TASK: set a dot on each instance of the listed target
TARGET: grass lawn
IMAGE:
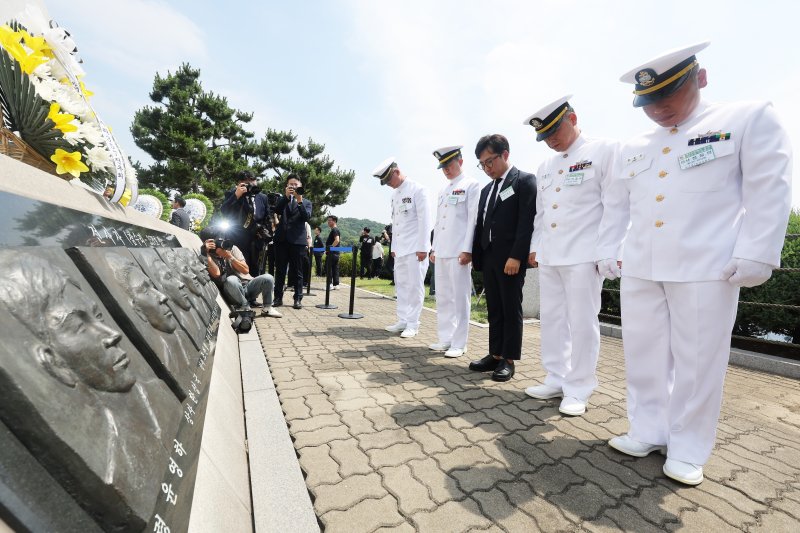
(382, 286)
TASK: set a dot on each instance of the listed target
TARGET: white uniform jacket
(411, 219)
(715, 187)
(569, 202)
(456, 212)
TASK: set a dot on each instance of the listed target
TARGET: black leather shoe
(277, 303)
(297, 305)
(503, 372)
(485, 364)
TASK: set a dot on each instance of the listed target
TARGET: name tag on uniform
(452, 199)
(697, 157)
(573, 178)
(506, 194)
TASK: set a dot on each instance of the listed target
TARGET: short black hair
(244, 175)
(366, 230)
(495, 142)
(334, 218)
(292, 176)
(180, 201)
(317, 227)
(207, 233)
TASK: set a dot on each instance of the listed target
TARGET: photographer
(291, 239)
(367, 241)
(248, 211)
(229, 271)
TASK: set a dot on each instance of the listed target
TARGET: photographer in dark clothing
(318, 243)
(248, 212)
(367, 241)
(291, 239)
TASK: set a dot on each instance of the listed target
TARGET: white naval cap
(384, 170)
(663, 75)
(447, 153)
(546, 120)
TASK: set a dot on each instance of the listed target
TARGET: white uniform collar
(577, 143)
(453, 182)
(701, 106)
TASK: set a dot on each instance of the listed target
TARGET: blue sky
(371, 79)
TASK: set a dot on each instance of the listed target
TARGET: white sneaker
(686, 473)
(270, 311)
(396, 328)
(455, 352)
(572, 406)
(439, 346)
(635, 448)
(544, 392)
(335, 288)
(408, 333)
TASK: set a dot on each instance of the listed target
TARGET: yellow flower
(68, 162)
(37, 44)
(11, 41)
(63, 121)
(86, 92)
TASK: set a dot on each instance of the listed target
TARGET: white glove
(608, 268)
(746, 273)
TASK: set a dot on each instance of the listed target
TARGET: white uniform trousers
(453, 301)
(409, 279)
(570, 301)
(677, 339)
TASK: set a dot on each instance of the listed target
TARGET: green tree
(198, 141)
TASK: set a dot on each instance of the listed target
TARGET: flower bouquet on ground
(46, 119)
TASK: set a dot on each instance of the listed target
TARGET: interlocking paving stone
(394, 437)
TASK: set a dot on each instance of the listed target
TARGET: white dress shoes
(455, 352)
(544, 392)
(572, 406)
(635, 448)
(686, 473)
(408, 333)
(396, 328)
(439, 346)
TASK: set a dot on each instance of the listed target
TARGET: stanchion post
(310, 270)
(327, 304)
(352, 315)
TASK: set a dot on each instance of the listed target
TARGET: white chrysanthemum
(99, 159)
(91, 132)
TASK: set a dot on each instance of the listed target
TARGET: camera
(299, 190)
(252, 189)
(273, 198)
(225, 244)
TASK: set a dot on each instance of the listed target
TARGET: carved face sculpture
(80, 338)
(173, 287)
(151, 303)
(199, 270)
(186, 274)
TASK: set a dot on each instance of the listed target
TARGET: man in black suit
(500, 250)
(291, 239)
(248, 212)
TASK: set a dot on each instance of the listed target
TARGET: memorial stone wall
(109, 327)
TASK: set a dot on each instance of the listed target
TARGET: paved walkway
(394, 437)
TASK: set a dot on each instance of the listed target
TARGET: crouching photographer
(229, 271)
(248, 211)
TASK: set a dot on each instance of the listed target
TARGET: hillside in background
(350, 229)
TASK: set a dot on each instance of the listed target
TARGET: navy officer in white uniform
(707, 195)
(456, 213)
(411, 242)
(564, 245)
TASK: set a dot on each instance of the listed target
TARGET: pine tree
(198, 142)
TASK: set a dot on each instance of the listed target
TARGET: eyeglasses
(483, 165)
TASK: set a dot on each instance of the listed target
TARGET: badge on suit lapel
(506, 194)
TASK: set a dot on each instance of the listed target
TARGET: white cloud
(133, 38)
